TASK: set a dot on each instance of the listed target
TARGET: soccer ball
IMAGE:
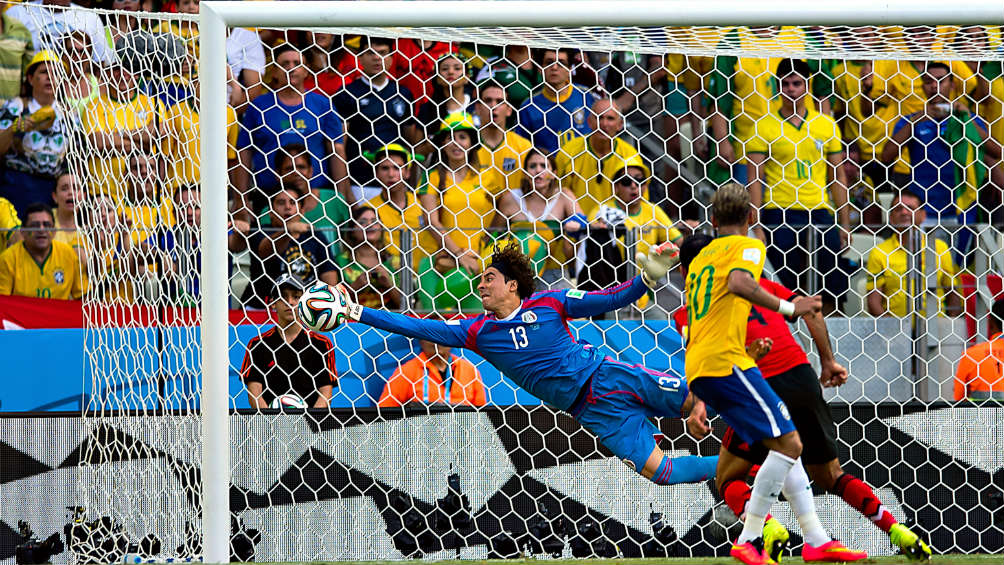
(322, 308)
(288, 401)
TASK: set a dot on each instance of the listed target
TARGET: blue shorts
(618, 403)
(747, 403)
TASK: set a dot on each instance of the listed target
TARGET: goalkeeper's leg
(617, 407)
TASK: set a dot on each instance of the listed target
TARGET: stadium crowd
(396, 165)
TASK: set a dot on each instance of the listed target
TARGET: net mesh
(396, 160)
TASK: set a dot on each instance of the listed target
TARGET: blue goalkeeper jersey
(532, 346)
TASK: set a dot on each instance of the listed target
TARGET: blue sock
(687, 469)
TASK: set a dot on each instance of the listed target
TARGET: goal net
(395, 160)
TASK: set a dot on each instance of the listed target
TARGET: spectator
(367, 265)
(606, 256)
(288, 359)
(866, 212)
(123, 21)
(980, 375)
(9, 225)
(397, 204)
(684, 77)
(583, 159)
(742, 90)
(989, 105)
(949, 154)
(78, 86)
(515, 71)
(502, 150)
(113, 263)
(539, 213)
(288, 247)
(284, 116)
(434, 376)
(794, 161)
(68, 194)
(376, 108)
(899, 85)
(459, 202)
(246, 61)
(144, 205)
(323, 208)
(49, 19)
(415, 65)
(119, 122)
(37, 266)
(890, 281)
(868, 124)
(181, 139)
(181, 249)
(628, 76)
(331, 64)
(451, 92)
(34, 138)
(16, 52)
(558, 111)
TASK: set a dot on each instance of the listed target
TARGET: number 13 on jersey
(518, 335)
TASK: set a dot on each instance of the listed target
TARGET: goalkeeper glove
(658, 262)
(352, 310)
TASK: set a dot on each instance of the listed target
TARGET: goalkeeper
(526, 336)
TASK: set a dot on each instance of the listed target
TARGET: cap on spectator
(614, 168)
(287, 281)
(44, 56)
(393, 149)
(457, 121)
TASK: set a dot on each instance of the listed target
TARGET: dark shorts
(799, 388)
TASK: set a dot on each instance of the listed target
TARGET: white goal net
(394, 160)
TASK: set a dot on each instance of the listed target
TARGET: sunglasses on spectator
(39, 225)
(628, 180)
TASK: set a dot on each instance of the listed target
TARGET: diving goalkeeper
(525, 335)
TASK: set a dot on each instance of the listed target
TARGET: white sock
(766, 488)
(798, 491)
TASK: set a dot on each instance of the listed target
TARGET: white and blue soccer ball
(288, 401)
(322, 307)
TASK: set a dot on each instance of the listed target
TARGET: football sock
(798, 491)
(766, 487)
(687, 469)
(859, 495)
(736, 494)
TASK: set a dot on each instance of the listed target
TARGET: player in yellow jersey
(721, 285)
(37, 266)
(796, 181)
(501, 150)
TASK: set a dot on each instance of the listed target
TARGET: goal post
(216, 17)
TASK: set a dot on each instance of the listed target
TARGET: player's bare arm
(831, 373)
(745, 286)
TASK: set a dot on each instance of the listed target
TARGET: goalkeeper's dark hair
(730, 206)
(692, 247)
(509, 260)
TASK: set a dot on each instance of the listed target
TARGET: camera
(32, 551)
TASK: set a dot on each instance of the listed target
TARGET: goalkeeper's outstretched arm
(579, 304)
(452, 334)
